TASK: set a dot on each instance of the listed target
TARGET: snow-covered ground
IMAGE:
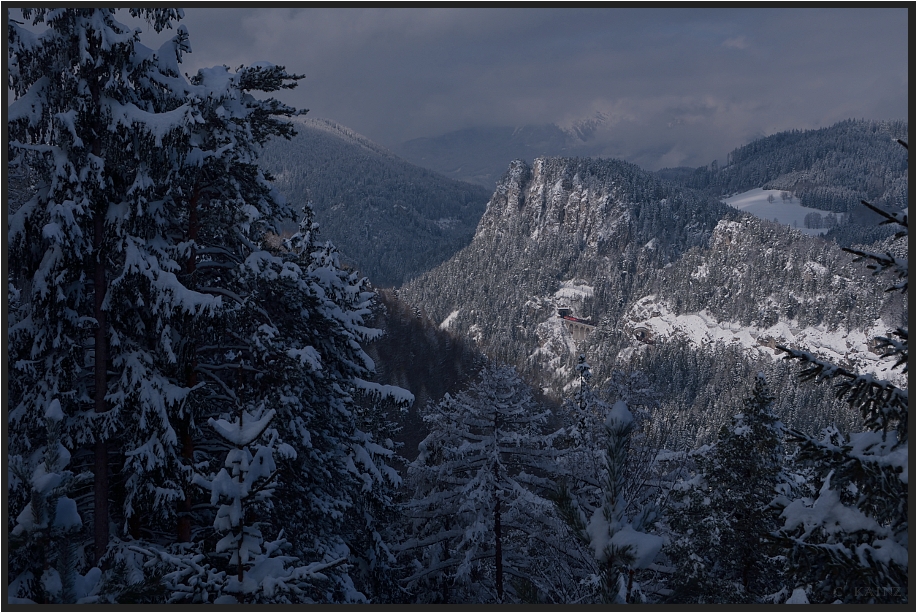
(556, 345)
(841, 347)
(571, 291)
(450, 319)
(788, 212)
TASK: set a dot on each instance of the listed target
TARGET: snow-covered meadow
(789, 211)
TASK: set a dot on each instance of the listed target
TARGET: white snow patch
(643, 546)
(787, 212)
(815, 268)
(397, 394)
(570, 290)
(619, 415)
(798, 597)
(54, 412)
(242, 431)
(475, 332)
(66, 515)
(450, 319)
(702, 271)
(844, 348)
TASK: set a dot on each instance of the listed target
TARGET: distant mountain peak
(584, 129)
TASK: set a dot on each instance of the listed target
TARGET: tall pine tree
(153, 303)
(90, 256)
(722, 515)
(478, 484)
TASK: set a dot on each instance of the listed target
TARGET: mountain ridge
(620, 234)
(390, 219)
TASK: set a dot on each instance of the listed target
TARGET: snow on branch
(399, 395)
(880, 262)
(881, 402)
(242, 431)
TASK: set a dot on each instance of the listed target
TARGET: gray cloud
(678, 86)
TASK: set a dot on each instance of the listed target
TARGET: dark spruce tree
(162, 335)
(97, 125)
(722, 514)
(477, 492)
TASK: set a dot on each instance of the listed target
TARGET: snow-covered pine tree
(146, 258)
(257, 572)
(95, 121)
(618, 542)
(46, 536)
(375, 522)
(604, 496)
(292, 319)
(722, 514)
(316, 373)
(228, 209)
(849, 542)
(477, 486)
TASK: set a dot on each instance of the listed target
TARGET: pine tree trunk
(100, 468)
(100, 365)
(183, 527)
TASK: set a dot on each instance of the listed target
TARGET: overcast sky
(678, 86)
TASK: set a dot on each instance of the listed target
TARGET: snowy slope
(789, 212)
(556, 345)
(852, 349)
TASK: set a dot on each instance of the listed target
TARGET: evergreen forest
(208, 401)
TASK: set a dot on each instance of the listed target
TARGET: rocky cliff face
(618, 244)
(556, 224)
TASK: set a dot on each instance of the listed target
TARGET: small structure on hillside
(579, 328)
(644, 335)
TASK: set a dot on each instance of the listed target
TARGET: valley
(255, 358)
(630, 249)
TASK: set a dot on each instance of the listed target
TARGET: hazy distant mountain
(480, 155)
(645, 259)
(390, 219)
(830, 169)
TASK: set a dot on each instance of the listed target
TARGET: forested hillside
(622, 245)
(621, 391)
(831, 169)
(390, 220)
